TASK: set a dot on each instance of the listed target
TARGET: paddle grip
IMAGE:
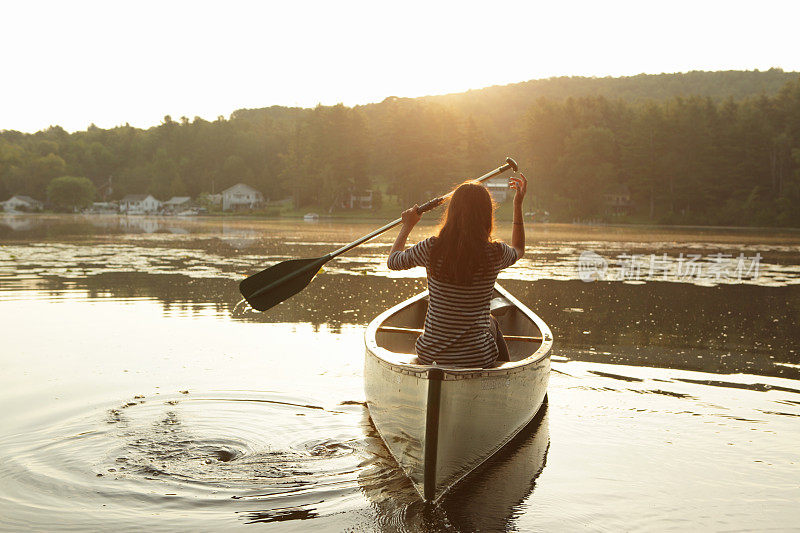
(431, 204)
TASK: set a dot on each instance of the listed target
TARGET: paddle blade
(279, 282)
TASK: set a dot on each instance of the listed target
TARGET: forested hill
(720, 85)
(503, 105)
(499, 106)
(696, 148)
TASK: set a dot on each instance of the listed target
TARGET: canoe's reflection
(486, 500)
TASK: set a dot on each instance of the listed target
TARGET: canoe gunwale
(454, 373)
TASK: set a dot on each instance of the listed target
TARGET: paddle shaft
(427, 206)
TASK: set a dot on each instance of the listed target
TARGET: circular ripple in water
(242, 457)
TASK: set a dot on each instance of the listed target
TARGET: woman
(462, 264)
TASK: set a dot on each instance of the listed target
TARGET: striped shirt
(457, 328)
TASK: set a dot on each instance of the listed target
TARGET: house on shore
(177, 204)
(241, 196)
(498, 188)
(139, 204)
(357, 200)
(19, 202)
(617, 200)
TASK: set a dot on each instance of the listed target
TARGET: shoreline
(349, 217)
(14, 227)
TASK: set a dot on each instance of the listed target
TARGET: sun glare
(112, 63)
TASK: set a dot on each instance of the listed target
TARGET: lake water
(134, 396)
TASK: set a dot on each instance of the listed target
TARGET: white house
(241, 196)
(177, 204)
(21, 203)
(354, 200)
(139, 203)
(498, 188)
(617, 200)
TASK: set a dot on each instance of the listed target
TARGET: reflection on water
(738, 329)
(486, 500)
(259, 458)
(244, 454)
(134, 396)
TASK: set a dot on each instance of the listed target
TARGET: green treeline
(685, 160)
(697, 148)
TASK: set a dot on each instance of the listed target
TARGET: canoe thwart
(393, 329)
(523, 338)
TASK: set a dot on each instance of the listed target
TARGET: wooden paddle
(280, 282)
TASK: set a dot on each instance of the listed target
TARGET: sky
(114, 62)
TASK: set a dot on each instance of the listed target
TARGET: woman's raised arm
(410, 218)
(520, 185)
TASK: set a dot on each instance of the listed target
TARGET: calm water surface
(134, 395)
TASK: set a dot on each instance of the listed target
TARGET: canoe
(439, 422)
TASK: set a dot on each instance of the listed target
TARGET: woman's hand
(410, 217)
(520, 185)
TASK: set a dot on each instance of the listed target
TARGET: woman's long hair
(460, 251)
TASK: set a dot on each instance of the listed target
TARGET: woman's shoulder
(497, 246)
(424, 246)
(428, 242)
(503, 255)
(501, 251)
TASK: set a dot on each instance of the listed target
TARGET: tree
(724, 153)
(235, 170)
(643, 155)
(478, 150)
(69, 192)
(587, 168)
(164, 173)
(420, 148)
(177, 187)
(43, 169)
(327, 157)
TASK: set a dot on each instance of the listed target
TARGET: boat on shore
(440, 423)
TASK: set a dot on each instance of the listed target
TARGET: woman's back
(457, 326)
(462, 262)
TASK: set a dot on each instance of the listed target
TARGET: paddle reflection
(486, 500)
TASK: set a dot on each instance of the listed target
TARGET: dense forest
(718, 148)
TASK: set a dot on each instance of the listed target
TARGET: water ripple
(217, 450)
